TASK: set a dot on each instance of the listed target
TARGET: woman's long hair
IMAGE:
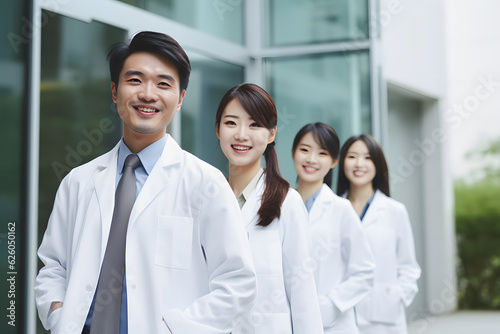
(326, 137)
(261, 108)
(381, 179)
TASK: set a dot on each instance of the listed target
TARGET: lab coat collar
(158, 179)
(105, 178)
(324, 200)
(376, 208)
(104, 184)
(252, 205)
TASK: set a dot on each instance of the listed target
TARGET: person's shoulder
(392, 204)
(292, 197)
(94, 164)
(200, 168)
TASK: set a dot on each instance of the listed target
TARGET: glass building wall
(210, 80)
(221, 18)
(329, 88)
(13, 102)
(293, 22)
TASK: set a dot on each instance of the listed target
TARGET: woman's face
(358, 165)
(242, 140)
(312, 162)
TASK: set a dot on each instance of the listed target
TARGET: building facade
(321, 61)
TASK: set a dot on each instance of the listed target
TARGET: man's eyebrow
(132, 72)
(166, 77)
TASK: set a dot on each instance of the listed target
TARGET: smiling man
(145, 238)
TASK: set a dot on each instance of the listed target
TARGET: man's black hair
(151, 42)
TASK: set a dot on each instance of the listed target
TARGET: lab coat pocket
(266, 252)
(174, 237)
(53, 319)
(387, 304)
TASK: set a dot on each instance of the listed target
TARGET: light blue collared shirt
(149, 157)
(310, 201)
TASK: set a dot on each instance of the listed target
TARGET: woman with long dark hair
(364, 180)
(344, 274)
(274, 215)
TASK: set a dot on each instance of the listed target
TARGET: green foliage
(477, 220)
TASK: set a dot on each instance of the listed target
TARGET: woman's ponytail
(275, 190)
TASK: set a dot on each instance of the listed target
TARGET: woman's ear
(272, 135)
(334, 163)
(217, 131)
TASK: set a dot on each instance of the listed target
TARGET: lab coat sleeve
(232, 281)
(50, 284)
(298, 267)
(408, 268)
(358, 260)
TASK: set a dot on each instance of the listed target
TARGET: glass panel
(332, 88)
(316, 21)
(221, 18)
(12, 221)
(78, 120)
(210, 80)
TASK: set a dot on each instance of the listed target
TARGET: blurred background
(423, 77)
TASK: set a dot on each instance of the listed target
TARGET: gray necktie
(106, 317)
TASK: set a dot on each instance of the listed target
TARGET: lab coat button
(88, 287)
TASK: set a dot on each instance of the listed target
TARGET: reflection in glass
(210, 80)
(221, 18)
(316, 21)
(78, 121)
(330, 88)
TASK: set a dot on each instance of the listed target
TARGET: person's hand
(55, 305)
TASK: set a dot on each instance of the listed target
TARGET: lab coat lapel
(252, 205)
(104, 184)
(157, 180)
(375, 210)
(320, 204)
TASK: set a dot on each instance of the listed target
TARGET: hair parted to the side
(326, 137)
(260, 106)
(381, 179)
(155, 43)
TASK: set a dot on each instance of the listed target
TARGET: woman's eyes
(255, 125)
(230, 123)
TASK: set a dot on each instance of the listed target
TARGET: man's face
(148, 95)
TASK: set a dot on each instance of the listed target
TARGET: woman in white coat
(363, 179)
(274, 215)
(343, 261)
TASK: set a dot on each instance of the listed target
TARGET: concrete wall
(416, 139)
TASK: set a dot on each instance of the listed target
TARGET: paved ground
(461, 322)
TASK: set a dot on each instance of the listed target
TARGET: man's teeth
(241, 148)
(146, 109)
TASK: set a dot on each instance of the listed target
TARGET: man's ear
(181, 99)
(113, 91)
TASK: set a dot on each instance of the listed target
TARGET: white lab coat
(344, 263)
(387, 227)
(286, 294)
(188, 261)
